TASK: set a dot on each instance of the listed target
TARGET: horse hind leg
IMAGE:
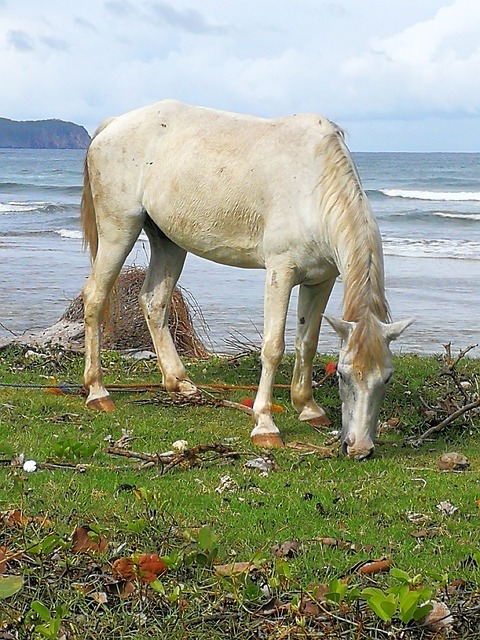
(312, 301)
(113, 250)
(166, 264)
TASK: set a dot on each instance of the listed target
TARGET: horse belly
(232, 238)
(211, 219)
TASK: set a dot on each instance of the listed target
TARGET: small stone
(453, 462)
(439, 618)
(29, 466)
(446, 508)
(180, 445)
(262, 464)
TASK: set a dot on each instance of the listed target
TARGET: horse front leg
(278, 287)
(312, 301)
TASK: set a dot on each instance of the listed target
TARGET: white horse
(281, 195)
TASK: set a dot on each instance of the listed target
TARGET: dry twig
(171, 459)
(438, 427)
(450, 402)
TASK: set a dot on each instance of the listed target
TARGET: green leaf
(337, 592)
(353, 593)
(384, 607)
(174, 596)
(9, 585)
(408, 606)
(157, 586)
(137, 526)
(252, 592)
(49, 543)
(400, 575)
(400, 589)
(283, 569)
(41, 610)
(206, 538)
(49, 630)
(203, 559)
(422, 611)
(367, 593)
(174, 560)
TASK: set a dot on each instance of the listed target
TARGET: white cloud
(356, 62)
(426, 69)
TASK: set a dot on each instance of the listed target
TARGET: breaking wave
(436, 196)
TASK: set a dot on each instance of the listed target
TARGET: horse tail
(87, 216)
(88, 220)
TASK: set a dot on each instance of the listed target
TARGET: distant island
(42, 134)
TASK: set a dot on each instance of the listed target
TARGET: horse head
(364, 369)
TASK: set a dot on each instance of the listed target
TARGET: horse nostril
(344, 448)
(369, 454)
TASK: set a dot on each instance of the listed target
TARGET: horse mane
(353, 234)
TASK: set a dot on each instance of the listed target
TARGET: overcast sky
(399, 75)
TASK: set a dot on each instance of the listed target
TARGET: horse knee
(301, 395)
(272, 351)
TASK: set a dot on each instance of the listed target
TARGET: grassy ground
(217, 510)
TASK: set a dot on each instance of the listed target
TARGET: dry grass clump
(126, 327)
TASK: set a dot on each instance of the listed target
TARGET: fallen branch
(171, 459)
(441, 425)
(190, 456)
(156, 458)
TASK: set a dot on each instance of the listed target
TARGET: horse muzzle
(358, 449)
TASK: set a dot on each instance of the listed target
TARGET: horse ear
(395, 329)
(342, 327)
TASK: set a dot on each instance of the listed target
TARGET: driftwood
(126, 328)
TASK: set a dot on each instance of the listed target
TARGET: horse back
(229, 187)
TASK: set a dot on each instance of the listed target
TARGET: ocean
(427, 206)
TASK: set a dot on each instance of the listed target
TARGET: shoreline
(43, 274)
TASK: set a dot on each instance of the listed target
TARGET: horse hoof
(267, 440)
(104, 404)
(321, 421)
(186, 389)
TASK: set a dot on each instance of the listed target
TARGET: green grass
(368, 505)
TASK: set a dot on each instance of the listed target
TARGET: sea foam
(439, 196)
(69, 233)
(432, 248)
(21, 207)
